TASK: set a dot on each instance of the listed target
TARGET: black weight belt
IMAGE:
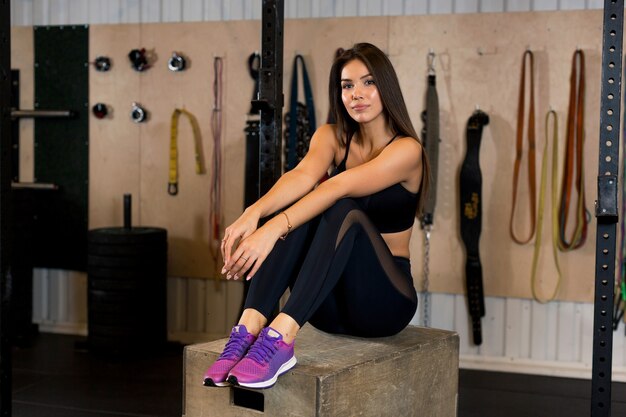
(471, 219)
(293, 109)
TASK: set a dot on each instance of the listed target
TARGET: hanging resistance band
(606, 206)
(471, 220)
(172, 187)
(519, 146)
(216, 180)
(551, 115)
(301, 117)
(574, 159)
(430, 139)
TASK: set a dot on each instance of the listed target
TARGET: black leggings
(342, 276)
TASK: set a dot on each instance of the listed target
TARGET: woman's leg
(350, 277)
(343, 236)
(277, 273)
(268, 285)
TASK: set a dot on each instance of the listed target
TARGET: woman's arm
(290, 187)
(300, 180)
(399, 162)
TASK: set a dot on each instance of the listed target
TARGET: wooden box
(414, 373)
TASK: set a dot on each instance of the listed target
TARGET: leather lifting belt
(530, 131)
(471, 220)
(574, 158)
(430, 139)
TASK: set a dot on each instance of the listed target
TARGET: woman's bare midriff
(398, 243)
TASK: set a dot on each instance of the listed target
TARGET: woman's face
(359, 92)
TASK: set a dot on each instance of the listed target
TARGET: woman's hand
(243, 227)
(252, 251)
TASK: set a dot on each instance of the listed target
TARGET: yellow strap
(554, 211)
(172, 188)
(200, 169)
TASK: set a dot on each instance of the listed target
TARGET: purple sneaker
(266, 360)
(236, 347)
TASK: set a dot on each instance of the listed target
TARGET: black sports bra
(392, 209)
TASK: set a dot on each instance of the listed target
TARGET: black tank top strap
(392, 139)
(342, 165)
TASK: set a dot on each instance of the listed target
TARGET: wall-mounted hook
(431, 61)
(177, 62)
(138, 114)
(102, 63)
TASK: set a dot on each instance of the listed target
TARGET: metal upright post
(606, 207)
(270, 99)
(5, 206)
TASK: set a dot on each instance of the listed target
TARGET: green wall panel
(62, 146)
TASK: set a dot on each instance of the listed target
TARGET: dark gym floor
(55, 379)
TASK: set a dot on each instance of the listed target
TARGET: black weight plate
(152, 272)
(119, 262)
(113, 235)
(150, 250)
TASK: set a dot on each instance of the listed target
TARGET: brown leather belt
(530, 131)
(574, 144)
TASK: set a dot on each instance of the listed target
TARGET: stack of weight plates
(127, 280)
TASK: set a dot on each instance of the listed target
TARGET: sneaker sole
(268, 383)
(208, 382)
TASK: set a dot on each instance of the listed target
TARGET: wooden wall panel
(114, 159)
(144, 148)
(22, 59)
(328, 35)
(478, 60)
(478, 64)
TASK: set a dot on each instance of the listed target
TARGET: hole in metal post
(248, 399)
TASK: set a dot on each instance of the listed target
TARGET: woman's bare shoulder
(407, 144)
(326, 134)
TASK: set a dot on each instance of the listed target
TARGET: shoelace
(262, 351)
(234, 347)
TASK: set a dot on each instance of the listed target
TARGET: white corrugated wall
(519, 335)
(62, 12)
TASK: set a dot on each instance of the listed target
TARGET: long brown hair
(394, 107)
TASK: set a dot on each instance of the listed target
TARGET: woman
(342, 246)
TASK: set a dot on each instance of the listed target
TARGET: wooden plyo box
(414, 373)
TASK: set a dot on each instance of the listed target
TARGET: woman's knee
(341, 208)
